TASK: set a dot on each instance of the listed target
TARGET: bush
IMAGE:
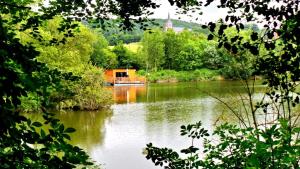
(89, 92)
(206, 74)
(141, 73)
(30, 103)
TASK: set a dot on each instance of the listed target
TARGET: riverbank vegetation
(172, 76)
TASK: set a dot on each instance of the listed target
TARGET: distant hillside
(195, 26)
(179, 23)
(114, 35)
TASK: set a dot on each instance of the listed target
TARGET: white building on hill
(169, 25)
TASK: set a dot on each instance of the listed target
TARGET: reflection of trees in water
(168, 111)
(171, 105)
(163, 92)
(128, 94)
(237, 108)
(185, 103)
(160, 118)
(170, 115)
(90, 126)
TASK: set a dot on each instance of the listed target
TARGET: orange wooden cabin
(123, 77)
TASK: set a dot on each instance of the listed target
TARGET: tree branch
(14, 5)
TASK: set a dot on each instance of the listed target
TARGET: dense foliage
(189, 51)
(74, 57)
(186, 50)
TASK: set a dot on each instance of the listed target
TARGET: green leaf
(70, 130)
(254, 36)
(234, 49)
(43, 134)
(204, 26)
(247, 8)
(67, 136)
(61, 128)
(37, 124)
(210, 37)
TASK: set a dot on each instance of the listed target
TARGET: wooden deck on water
(119, 81)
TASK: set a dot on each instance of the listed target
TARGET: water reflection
(89, 125)
(162, 92)
(127, 94)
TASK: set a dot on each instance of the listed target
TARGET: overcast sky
(210, 13)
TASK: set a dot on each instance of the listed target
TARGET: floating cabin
(120, 77)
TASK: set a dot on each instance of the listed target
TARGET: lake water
(153, 113)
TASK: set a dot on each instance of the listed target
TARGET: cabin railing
(120, 80)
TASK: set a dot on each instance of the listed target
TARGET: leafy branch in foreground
(233, 147)
(29, 145)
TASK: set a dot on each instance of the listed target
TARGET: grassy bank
(180, 76)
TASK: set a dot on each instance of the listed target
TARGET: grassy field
(133, 47)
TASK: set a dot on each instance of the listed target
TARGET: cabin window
(121, 74)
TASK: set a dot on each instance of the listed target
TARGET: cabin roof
(119, 69)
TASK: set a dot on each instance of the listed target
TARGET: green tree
(102, 56)
(126, 58)
(73, 56)
(240, 65)
(214, 58)
(153, 49)
(172, 47)
(190, 57)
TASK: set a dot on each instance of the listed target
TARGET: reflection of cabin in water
(128, 94)
(123, 77)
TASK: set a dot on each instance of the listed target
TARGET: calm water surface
(143, 114)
